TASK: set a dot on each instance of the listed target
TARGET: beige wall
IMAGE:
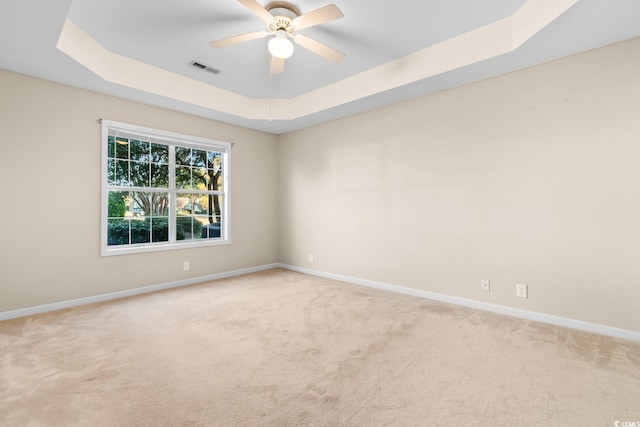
(50, 181)
(532, 177)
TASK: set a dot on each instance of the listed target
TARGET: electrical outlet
(484, 285)
(185, 266)
(521, 290)
(311, 258)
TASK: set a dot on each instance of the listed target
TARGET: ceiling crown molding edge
(486, 42)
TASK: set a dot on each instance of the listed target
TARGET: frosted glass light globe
(280, 47)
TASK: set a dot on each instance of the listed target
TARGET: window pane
(215, 162)
(140, 204)
(197, 229)
(216, 212)
(214, 159)
(215, 169)
(160, 229)
(117, 204)
(159, 176)
(210, 227)
(122, 148)
(187, 206)
(200, 222)
(159, 204)
(183, 177)
(144, 204)
(211, 231)
(183, 156)
(141, 230)
(184, 205)
(187, 228)
(122, 173)
(140, 174)
(111, 146)
(111, 172)
(139, 150)
(201, 205)
(160, 153)
(207, 179)
(199, 158)
(214, 179)
(117, 232)
(200, 178)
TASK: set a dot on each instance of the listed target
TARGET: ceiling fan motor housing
(281, 23)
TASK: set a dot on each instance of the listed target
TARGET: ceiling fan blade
(318, 16)
(319, 48)
(258, 9)
(239, 39)
(277, 65)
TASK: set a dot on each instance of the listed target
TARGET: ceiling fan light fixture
(280, 46)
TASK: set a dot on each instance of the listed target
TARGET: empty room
(305, 213)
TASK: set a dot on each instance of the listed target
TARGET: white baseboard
(27, 311)
(494, 308)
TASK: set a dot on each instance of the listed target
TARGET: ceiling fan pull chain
(270, 77)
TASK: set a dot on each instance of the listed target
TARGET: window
(162, 190)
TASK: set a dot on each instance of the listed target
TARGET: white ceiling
(395, 50)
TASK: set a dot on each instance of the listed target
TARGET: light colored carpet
(280, 348)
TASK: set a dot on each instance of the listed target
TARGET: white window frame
(172, 139)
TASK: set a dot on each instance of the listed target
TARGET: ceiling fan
(285, 26)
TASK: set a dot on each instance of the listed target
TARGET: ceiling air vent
(204, 67)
